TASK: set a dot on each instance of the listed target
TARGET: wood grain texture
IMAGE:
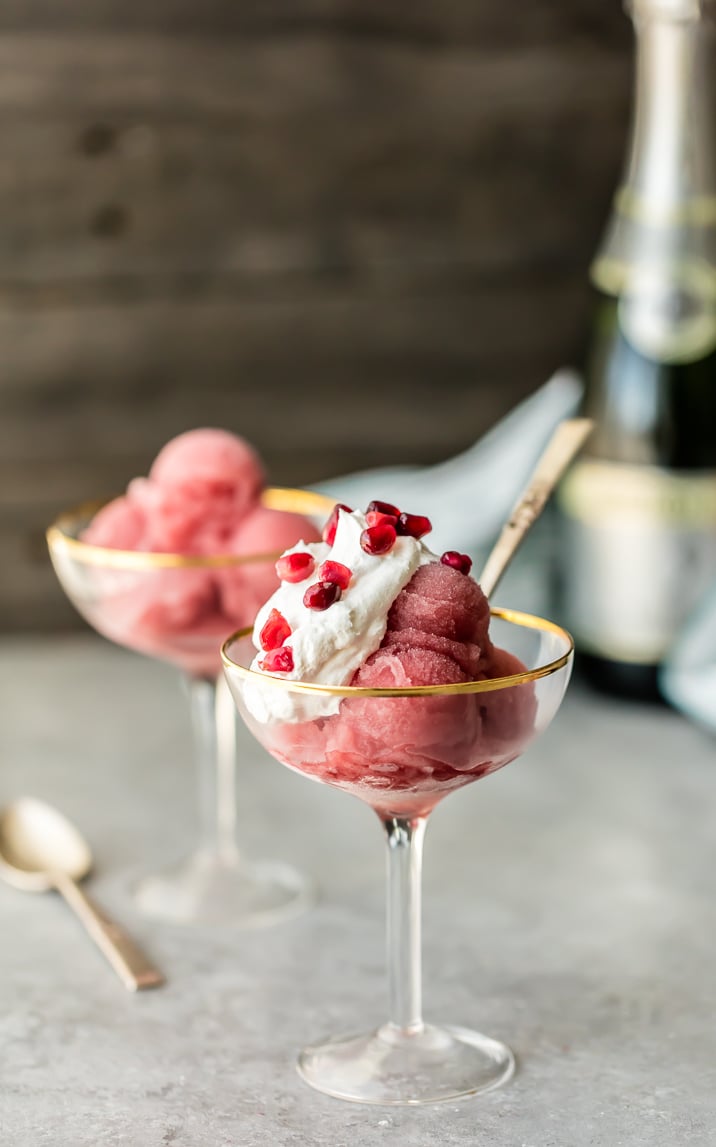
(213, 159)
(432, 24)
(355, 232)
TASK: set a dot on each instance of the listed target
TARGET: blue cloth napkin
(470, 496)
(688, 677)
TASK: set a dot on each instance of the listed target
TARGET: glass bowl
(401, 751)
(179, 608)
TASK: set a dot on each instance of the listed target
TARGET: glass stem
(405, 856)
(214, 721)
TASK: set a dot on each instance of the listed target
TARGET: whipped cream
(329, 645)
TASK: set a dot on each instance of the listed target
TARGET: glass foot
(204, 889)
(390, 1066)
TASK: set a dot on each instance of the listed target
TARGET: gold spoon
(40, 850)
(566, 441)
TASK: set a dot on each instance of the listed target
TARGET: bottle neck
(671, 169)
(658, 255)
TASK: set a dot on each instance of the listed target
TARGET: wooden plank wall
(356, 231)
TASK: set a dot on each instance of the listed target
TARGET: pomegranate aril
(383, 508)
(414, 525)
(295, 567)
(321, 595)
(460, 562)
(378, 539)
(275, 631)
(278, 660)
(375, 517)
(335, 572)
(329, 530)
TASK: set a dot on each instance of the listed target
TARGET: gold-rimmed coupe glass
(401, 751)
(178, 608)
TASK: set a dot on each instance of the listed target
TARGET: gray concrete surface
(569, 910)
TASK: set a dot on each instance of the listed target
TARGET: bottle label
(641, 548)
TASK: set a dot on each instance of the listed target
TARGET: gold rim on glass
(489, 685)
(61, 536)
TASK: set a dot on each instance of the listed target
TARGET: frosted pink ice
(212, 464)
(200, 487)
(120, 525)
(202, 499)
(403, 754)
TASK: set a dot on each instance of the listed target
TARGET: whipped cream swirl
(329, 645)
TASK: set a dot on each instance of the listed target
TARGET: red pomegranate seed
(460, 562)
(295, 567)
(321, 595)
(375, 517)
(278, 660)
(414, 525)
(275, 631)
(378, 539)
(383, 508)
(329, 530)
(335, 572)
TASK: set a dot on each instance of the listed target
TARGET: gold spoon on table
(40, 850)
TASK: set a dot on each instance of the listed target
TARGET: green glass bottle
(639, 510)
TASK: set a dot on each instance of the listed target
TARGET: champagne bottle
(639, 510)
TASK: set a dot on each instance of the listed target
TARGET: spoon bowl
(37, 843)
(40, 851)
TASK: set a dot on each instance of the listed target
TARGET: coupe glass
(401, 751)
(179, 608)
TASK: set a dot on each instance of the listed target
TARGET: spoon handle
(569, 436)
(134, 969)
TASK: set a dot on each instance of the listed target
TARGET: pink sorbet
(402, 755)
(202, 499)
